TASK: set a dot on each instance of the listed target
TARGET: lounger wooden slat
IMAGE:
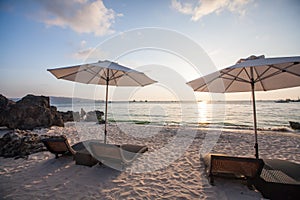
(240, 167)
(58, 145)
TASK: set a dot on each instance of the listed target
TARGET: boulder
(56, 117)
(35, 112)
(4, 106)
(5, 103)
(94, 116)
(31, 112)
(70, 116)
(21, 143)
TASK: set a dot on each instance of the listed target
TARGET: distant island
(287, 100)
(68, 100)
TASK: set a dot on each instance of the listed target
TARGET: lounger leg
(211, 179)
(250, 184)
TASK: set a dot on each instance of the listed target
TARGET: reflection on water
(202, 110)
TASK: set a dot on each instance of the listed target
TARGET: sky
(172, 41)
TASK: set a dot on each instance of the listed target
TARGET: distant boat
(297, 100)
(283, 101)
(287, 100)
(295, 125)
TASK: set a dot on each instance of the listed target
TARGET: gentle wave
(206, 125)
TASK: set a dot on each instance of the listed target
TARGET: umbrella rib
(261, 75)
(207, 83)
(114, 78)
(105, 75)
(279, 71)
(284, 69)
(96, 74)
(258, 78)
(270, 75)
(248, 75)
(201, 86)
(126, 74)
(235, 78)
(70, 74)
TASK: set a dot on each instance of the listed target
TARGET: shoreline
(283, 130)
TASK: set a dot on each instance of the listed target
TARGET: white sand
(172, 168)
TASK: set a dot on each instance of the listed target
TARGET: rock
(20, 144)
(94, 116)
(56, 117)
(4, 106)
(82, 113)
(30, 112)
(5, 103)
(35, 112)
(76, 116)
(70, 116)
(295, 125)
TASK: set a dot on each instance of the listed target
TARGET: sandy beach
(171, 169)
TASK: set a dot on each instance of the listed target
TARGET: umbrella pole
(106, 99)
(254, 115)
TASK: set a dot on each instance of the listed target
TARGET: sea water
(229, 114)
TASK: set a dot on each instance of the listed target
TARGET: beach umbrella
(252, 74)
(103, 73)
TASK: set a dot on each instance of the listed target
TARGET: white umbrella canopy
(252, 74)
(103, 73)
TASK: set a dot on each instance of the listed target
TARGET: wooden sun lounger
(116, 156)
(58, 145)
(239, 167)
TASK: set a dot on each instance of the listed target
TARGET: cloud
(82, 16)
(183, 8)
(83, 43)
(83, 53)
(206, 7)
(89, 53)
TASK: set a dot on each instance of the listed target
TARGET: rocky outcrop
(30, 112)
(4, 106)
(5, 103)
(70, 116)
(19, 144)
(35, 112)
(94, 116)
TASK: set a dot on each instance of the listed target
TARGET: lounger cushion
(116, 156)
